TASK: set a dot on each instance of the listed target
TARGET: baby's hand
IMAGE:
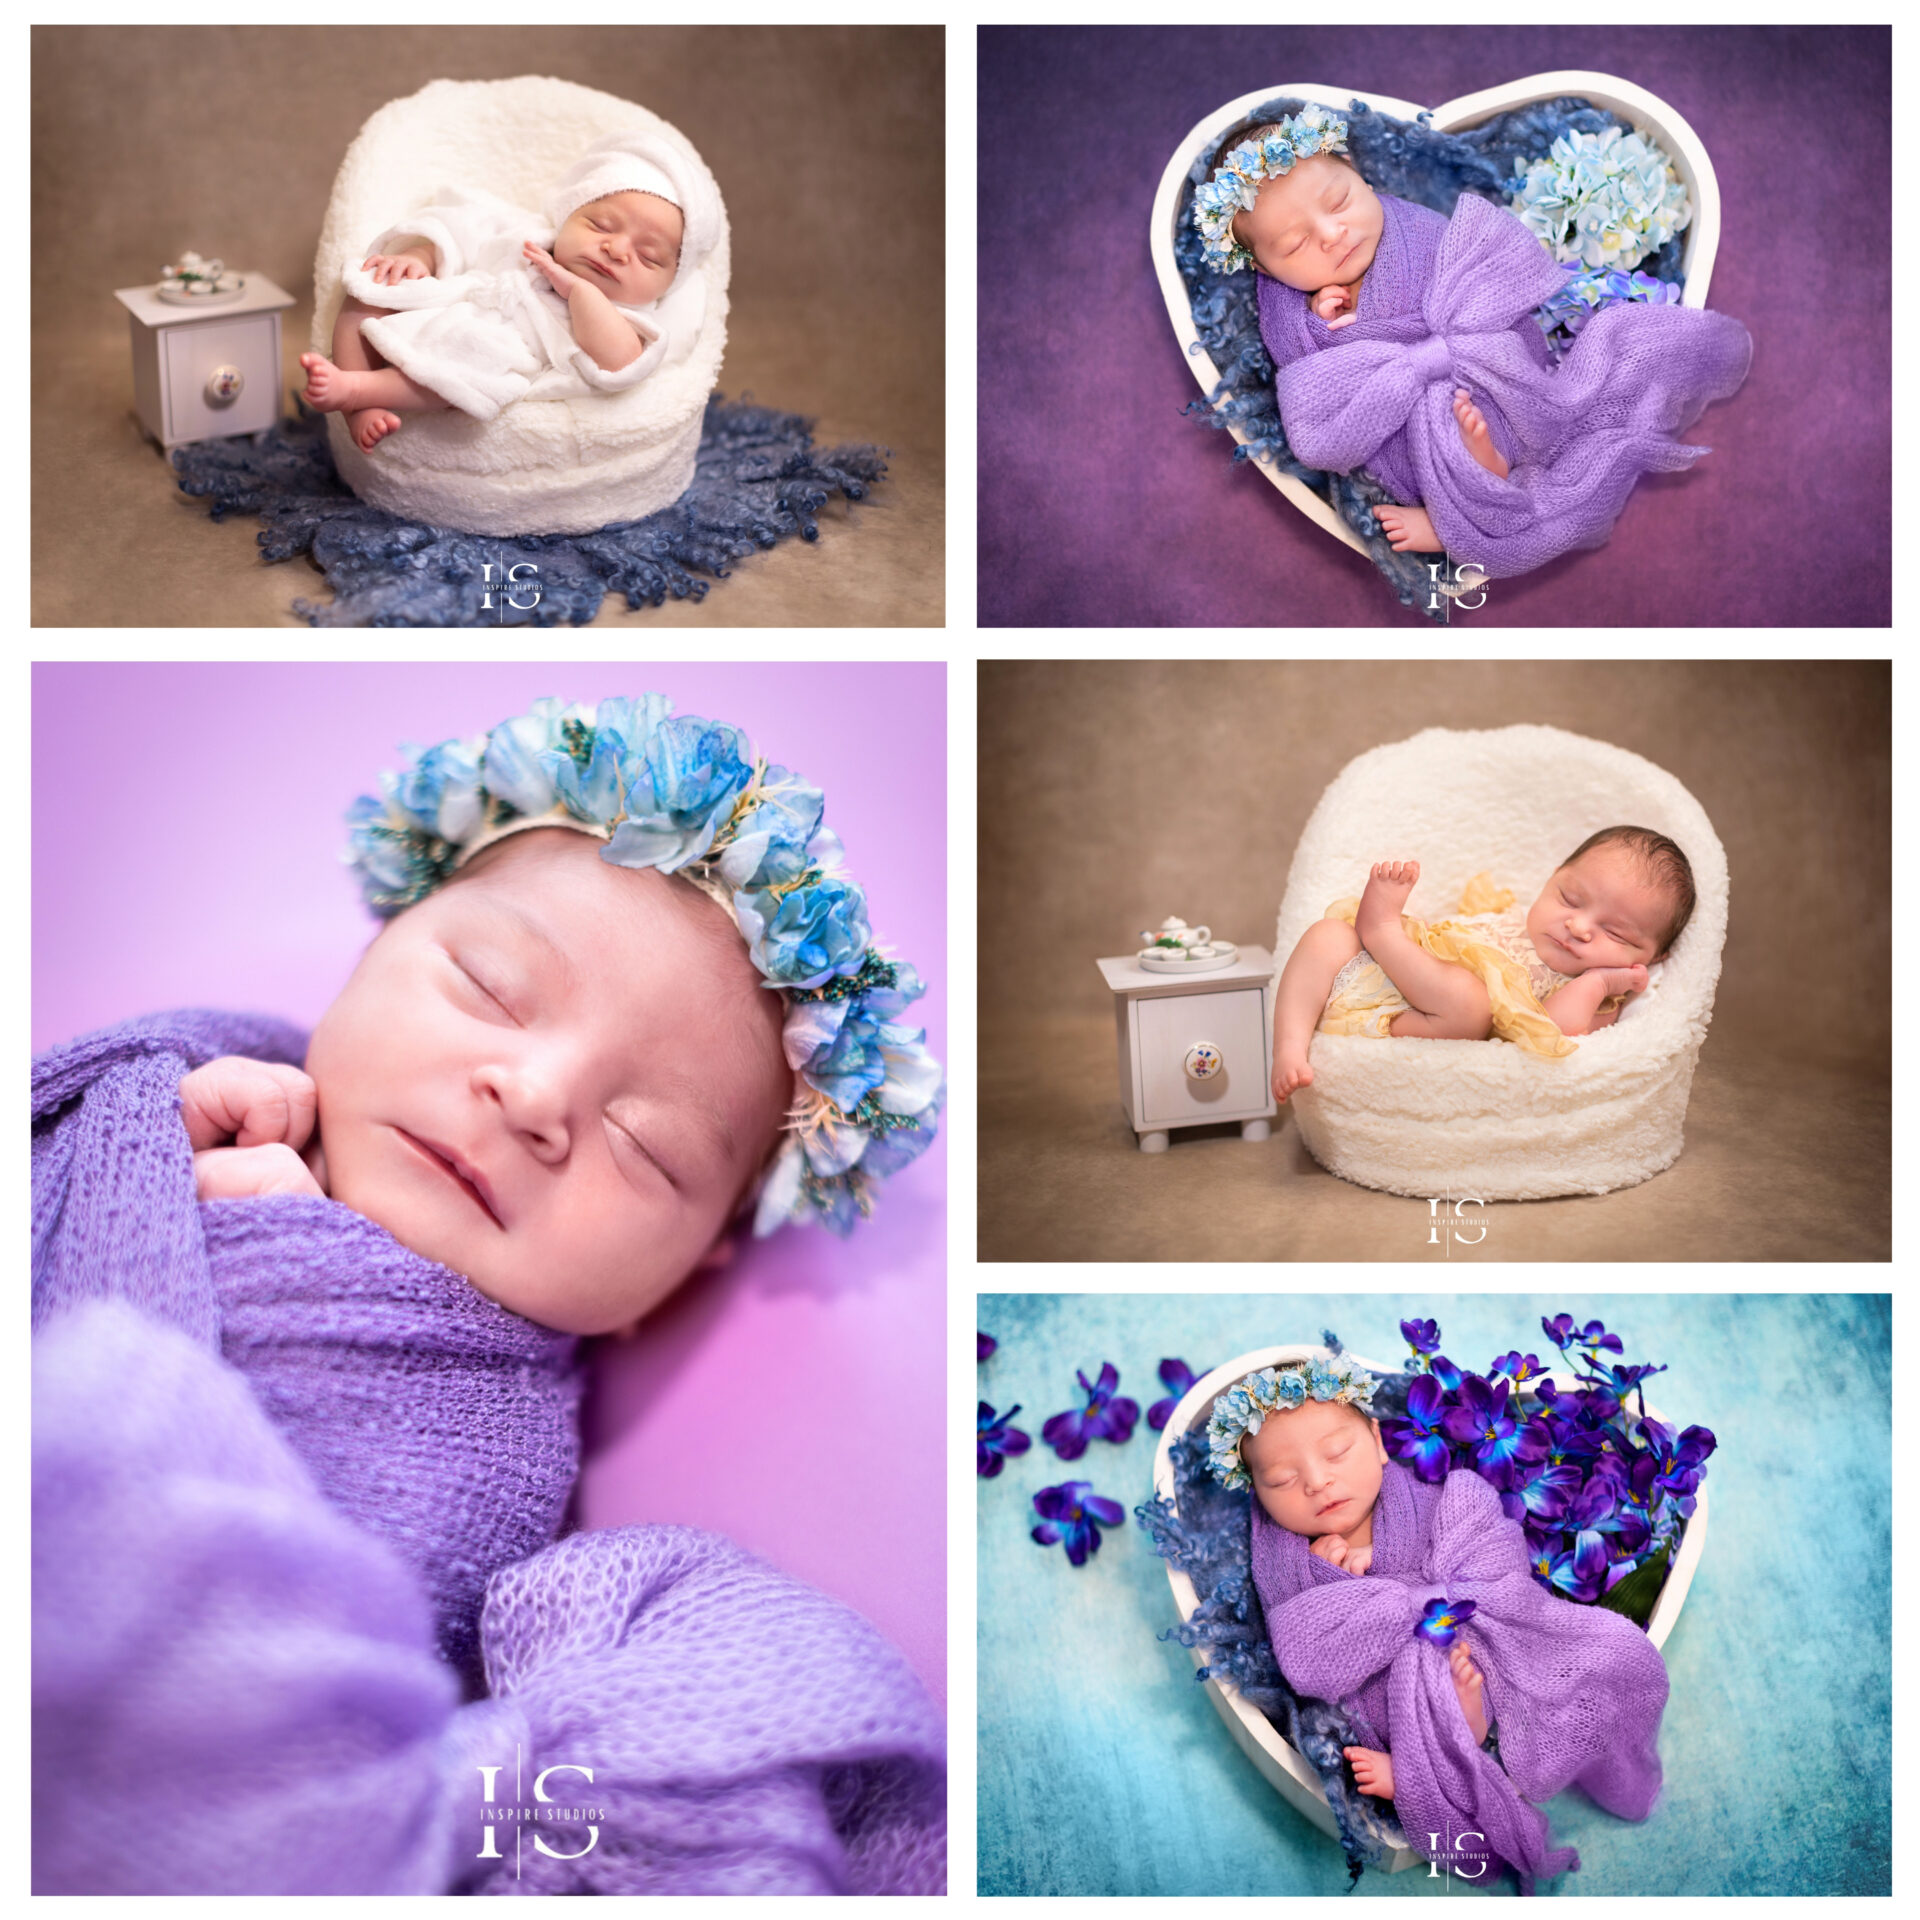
(1631, 979)
(1332, 1549)
(387, 268)
(562, 282)
(1359, 1559)
(236, 1102)
(247, 1173)
(1335, 300)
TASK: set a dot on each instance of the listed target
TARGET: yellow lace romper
(1488, 936)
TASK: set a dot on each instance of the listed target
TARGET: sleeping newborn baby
(1562, 968)
(474, 303)
(1405, 343)
(1475, 1692)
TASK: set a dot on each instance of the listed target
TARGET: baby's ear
(720, 1254)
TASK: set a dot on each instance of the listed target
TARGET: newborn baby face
(554, 1076)
(1316, 226)
(1316, 1469)
(627, 245)
(1599, 911)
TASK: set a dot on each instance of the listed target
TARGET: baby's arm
(246, 1121)
(1575, 1008)
(608, 340)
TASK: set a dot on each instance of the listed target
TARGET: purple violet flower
(1517, 1367)
(1418, 1439)
(995, 1441)
(1445, 1372)
(1068, 1514)
(1481, 1422)
(986, 1343)
(1106, 1416)
(1543, 1489)
(1442, 1619)
(1423, 1336)
(1176, 1376)
(1579, 1573)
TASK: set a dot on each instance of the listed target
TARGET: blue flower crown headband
(1236, 185)
(690, 797)
(1244, 1407)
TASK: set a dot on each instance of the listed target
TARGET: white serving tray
(1646, 112)
(1278, 1764)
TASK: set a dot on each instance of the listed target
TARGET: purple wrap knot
(1448, 303)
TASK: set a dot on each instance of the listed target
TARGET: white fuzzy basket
(1646, 112)
(1278, 1764)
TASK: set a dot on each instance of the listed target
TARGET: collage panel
(497, 325)
(1514, 324)
(1443, 1569)
(445, 1315)
(1437, 960)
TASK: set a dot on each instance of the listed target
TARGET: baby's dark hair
(1663, 864)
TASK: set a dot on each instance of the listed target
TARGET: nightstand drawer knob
(1203, 1061)
(223, 387)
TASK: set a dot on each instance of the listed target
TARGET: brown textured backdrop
(829, 146)
(1115, 792)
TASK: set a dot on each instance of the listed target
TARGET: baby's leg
(359, 382)
(1301, 998)
(1470, 1684)
(1455, 1003)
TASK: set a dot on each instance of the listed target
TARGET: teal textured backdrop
(1104, 1768)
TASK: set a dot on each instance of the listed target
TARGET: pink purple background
(186, 852)
(1101, 505)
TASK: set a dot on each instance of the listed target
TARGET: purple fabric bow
(1448, 304)
(1577, 1692)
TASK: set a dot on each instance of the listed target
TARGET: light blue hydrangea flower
(440, 789)
(776, 841)
(805, 937)
(1602, 200)
(683, 794)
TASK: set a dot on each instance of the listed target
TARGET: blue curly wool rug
(758, 480)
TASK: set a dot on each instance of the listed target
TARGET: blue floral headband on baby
(1235, 187)
(690, 797)
(1244, 1407)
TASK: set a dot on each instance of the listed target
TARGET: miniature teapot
(1174, 932)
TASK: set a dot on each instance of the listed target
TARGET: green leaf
(1635, 1595)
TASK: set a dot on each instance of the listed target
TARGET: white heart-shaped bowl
(1280, 1765)
(1646, 112)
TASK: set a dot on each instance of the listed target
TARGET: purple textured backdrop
(1101, 505)
(186, 843)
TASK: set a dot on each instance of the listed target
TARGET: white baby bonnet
(642, 161)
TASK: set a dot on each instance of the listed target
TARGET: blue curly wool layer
(1209, 1539)
(758, 480)
(1412, 161)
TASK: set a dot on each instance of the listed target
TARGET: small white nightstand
(1194, 1050)
(201, 373)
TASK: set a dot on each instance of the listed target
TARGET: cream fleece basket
(543, 466)
(1484, 1119)
(1280, 1765)
(1644, 111)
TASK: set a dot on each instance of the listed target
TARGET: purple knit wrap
(1575, 1692)
(1449, 303)
(285, 1473)
(426, 1412)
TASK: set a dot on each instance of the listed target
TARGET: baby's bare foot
(1473, 430)
(371, 425)
(1290, 1071)
(1409, 530)
(330, 389)
(1372, 1772)
(1470, 1684)
(1386, 893)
